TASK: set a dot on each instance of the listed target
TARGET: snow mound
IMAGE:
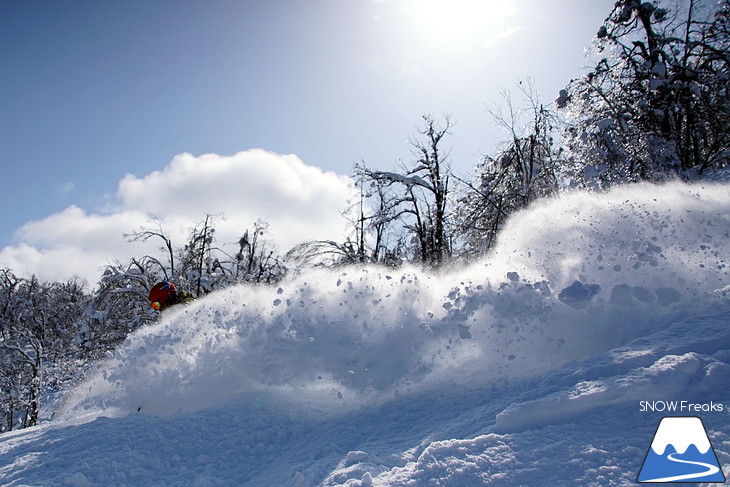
(570, 279)
(532, 367)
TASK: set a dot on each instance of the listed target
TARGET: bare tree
(256, 260)
(523, 170)
(422, 202)
(370, 216)
(195, 258)
(156, 232)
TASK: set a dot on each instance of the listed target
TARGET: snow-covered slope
(533, 367)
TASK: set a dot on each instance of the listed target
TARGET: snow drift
(527, 368)
(570, 279)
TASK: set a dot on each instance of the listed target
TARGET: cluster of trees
(50, 333)
(41, 330)
(656, 105)
(199, 266)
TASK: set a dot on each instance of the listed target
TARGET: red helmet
(161, 293)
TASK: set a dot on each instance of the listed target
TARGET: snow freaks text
(681, 407)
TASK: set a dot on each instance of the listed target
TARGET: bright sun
(460, 22)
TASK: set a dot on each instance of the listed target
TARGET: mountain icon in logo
(681, 452)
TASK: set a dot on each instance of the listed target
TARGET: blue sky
(95, 93)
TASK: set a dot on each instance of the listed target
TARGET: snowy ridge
(570, 279)
(523, 369)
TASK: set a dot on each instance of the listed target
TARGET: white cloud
(57, 263)
(300, 202)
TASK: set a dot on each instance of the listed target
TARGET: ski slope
(526, 368)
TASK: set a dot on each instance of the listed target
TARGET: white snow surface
(530, 367)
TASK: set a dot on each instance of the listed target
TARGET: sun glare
(462, 23)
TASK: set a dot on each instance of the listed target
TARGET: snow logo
(681, 452)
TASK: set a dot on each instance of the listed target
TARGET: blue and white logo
(681, 452)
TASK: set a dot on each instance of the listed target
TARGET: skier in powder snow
(163, 295)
